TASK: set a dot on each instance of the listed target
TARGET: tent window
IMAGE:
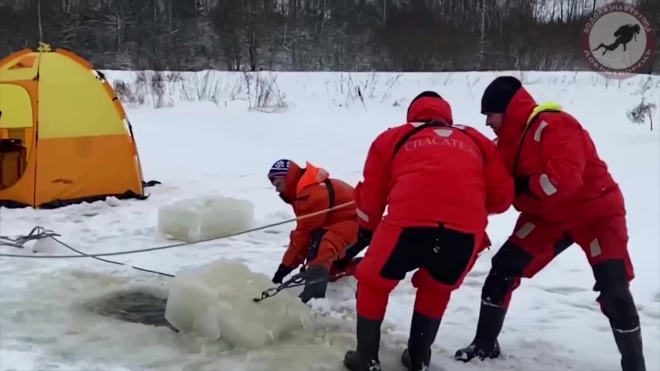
(26, 62)
(15, 106)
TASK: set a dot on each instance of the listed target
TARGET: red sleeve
(499, 185)
(562, 152)
(371, 193)
(314, 201)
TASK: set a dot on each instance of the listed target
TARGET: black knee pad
(610, 273)
(507, 267)
(619, 307)
(496, 288)
(615, 297)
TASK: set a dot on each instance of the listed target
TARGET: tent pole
(41, 30)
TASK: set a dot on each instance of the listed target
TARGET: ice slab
(203, 218)
(215, 301)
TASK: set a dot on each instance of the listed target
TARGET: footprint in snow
(591, 306)
(471, 282)
(255, 242)
(565, 290)
(478, 273)
(649, 311)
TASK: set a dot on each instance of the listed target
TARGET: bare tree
(350, 35)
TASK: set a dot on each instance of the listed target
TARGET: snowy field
(206, 142)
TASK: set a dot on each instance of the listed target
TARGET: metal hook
(295, 281)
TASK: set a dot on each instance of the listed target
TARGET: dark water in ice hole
(134, 306)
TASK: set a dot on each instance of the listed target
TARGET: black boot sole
(472, 352)
(353, 362)
(405, 360)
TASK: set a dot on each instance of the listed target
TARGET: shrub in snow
(200, 87)
(641, 112)
(359, 87)
(141, 86)
(205, 218)
(215, 302)
(146, 84)
(123, 91)
(128, 94)
(158, 90)
(263, 93)
(212, 86)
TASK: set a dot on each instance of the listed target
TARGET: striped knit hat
(279, 168)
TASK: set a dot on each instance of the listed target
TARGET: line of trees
(311, 35)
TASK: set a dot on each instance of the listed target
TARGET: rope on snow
(38, 233)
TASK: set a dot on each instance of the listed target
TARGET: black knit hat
(425, 94)
(499, 93)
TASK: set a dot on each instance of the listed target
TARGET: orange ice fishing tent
(64, 135)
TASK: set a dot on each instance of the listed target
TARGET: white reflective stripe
(362, 215)
(525, 230)
(626, 331)
(488, 303)
(547, 186)
(417, 124)
(539, 130)
(594, 248)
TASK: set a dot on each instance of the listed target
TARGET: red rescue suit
(572, 196)
(439, 183)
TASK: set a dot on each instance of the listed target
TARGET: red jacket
(444, 174)
(570, 184)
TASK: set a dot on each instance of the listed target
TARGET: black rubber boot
(365, 357)
(422, 335)
(316, 283)
(618, 305)
(485, 344)
(631, 349)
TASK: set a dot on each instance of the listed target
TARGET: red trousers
(441, 255)
(536, 242)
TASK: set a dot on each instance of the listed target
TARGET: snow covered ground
(220, 148)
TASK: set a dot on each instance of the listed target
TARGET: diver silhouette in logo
(624, 35)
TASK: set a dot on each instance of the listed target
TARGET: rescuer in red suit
(565, 195)
(440, 182)
(324, 229)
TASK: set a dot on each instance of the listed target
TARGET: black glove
(316, 283)
(364, 236)
(522, 185)
(282, 271)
